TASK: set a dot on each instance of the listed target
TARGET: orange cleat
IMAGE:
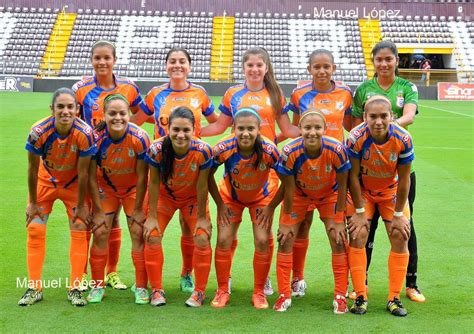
(221, 299)
(415, 295)
(259, 301)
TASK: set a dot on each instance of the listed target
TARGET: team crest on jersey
(131, 153)
(262, 166)
(103, 156)
(235, 171)
(400, 101)
(393, 156)
(193, 167)
(73, 148)
(194, 103)
(366, 155)
(328, 168)
(339, 105)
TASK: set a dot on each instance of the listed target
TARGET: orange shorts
(326, 207)
(46, 196)
(188, 208)
(111, 201)
(385, 202)
(237, 208)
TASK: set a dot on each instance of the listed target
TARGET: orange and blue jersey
(242, 181)
(334, 104)
(162, 100)
(379, 162)
(181, 185)
(117, 159)
(60, 154)
(90, 97)
(239, 96)
(315, 177)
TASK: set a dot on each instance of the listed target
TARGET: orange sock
(261, 267)
(300, 248)
(115, 240)
(357, 266)
(88, 238)
(202, 266)
(141, 278)
(187, 250)
(35, 252)
(154, 265)
(397, 270)
(235, 243)
(77, 256)
(223, 262)
(271, 246)
(283, 269)
(98, 261)
(340, 269)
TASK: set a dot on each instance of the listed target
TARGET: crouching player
(248, 159)
(314, 169)
(59, 153)
(118, 177)
(381, 153)
(179, 170)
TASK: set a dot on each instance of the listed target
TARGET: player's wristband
(360, 210)
(398, 214)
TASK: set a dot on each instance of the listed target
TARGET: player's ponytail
(269, 80)
(168, 153)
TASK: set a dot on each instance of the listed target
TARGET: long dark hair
(269, 80)
(387, 44)
(258, 146)
(166, 166)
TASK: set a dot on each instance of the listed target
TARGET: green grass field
(443, 136)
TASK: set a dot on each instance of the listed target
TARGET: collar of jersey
(333, 87)
(181, 90)
(106, 90)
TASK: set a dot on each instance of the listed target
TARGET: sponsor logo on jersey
(178, 99)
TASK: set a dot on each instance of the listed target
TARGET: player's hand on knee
(32, 210)
(149, 226)
(265, 217)
(338, 232)
(283, 235)
(138, 217)
(402, 225)
(98, 220)
(224, 214)
(203, 225)
(357, 222)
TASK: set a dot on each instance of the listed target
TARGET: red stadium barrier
(455, 91)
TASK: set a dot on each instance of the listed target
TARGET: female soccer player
(381, 153)
(248, 159)
(261, 92)
(334, 101)
(179, 170)
(403, 96)
(91, 92)
(161, 100)
(59, 152)
(118, 176)
(314, 173)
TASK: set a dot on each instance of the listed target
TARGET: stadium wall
(321, 9)
(213, 88)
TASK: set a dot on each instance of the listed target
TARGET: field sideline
(444, 146)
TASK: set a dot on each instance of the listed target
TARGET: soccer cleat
(282, 304)
(113, 280)
(353, 294)
(359, 306)
(84, 286)
(415, 295)
(187, 284)
(229, 286)
(259, 301)
(395, 307)
(268, 289)
(30, 297)
(196, 299)
(76, 298)
(142, 296)
(157, 298)
(298, 287)
(340, 305)
(133, 288)
(220, 299)
(96, 295)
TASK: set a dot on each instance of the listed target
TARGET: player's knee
(223, 242)
(201, 240)
(36, 231)
(261, 243)
(79, 225)
(154, 240)
(101, 234)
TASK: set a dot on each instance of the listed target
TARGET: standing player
(179, 170)
(261, 92)
(314, 173)
(59, 152)
(381, 153)
(334, 102)
(118, 176)
(248, 159)
(162, 100)
(403, 96)
(91, 92)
